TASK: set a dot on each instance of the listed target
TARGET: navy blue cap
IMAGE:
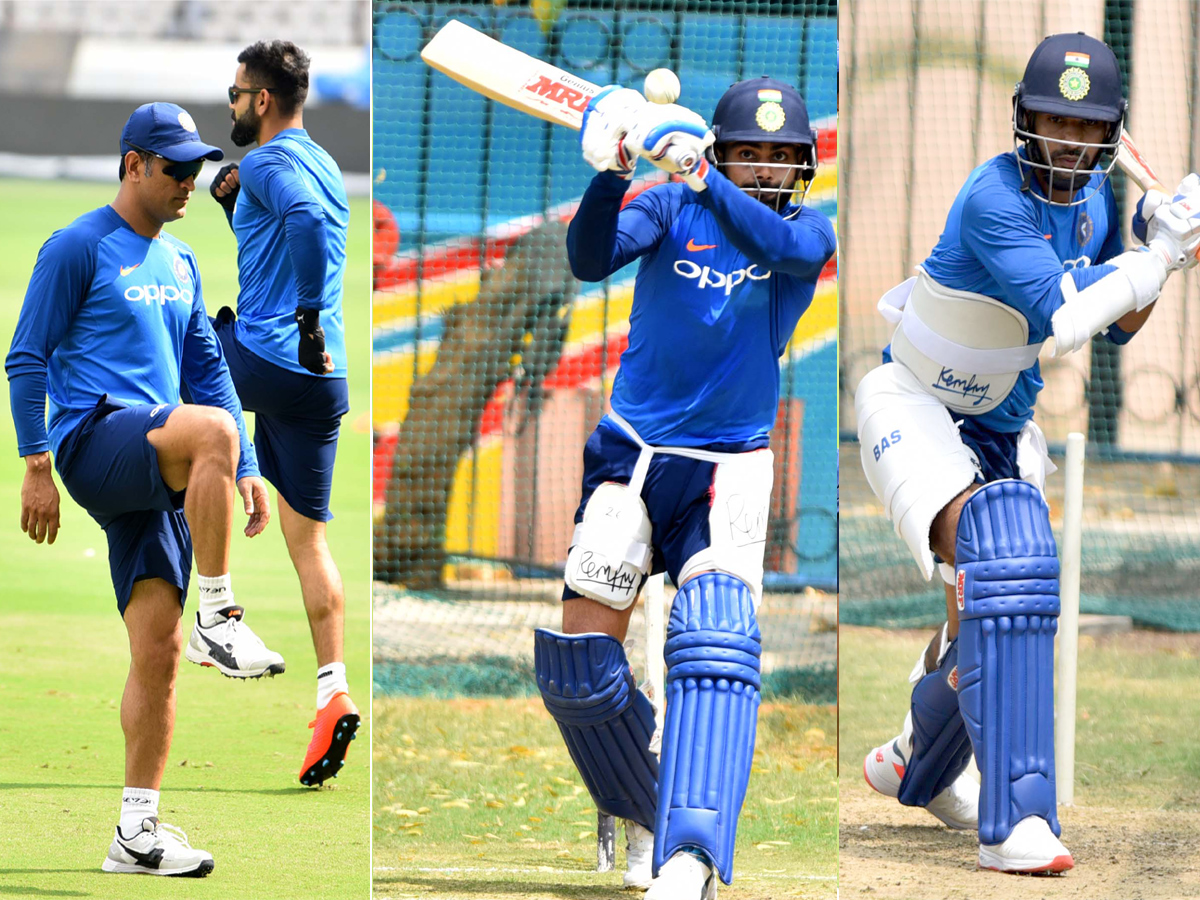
(762, 110)
(168, 130)
(1073, 75)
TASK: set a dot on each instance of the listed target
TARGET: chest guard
(966, 349)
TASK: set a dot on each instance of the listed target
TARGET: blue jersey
(1007, 245)
(111, 312)
(722, 282)
(290, 221)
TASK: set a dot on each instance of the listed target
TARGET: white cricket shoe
(1032, 847)
(957, 806)
(158, 849)
(684, 877)
(232, 648)
(639, 856)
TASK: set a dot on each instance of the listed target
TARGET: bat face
(509, 76)
(564, 95)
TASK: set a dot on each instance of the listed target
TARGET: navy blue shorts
(296, 422)
(997, 452)
(111, 470)
(677, 494)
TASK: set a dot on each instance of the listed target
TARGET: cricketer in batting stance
(286, 348)
(678, 476)
(112, 323)
(1031, 253)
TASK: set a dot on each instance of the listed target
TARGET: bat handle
(684, 159)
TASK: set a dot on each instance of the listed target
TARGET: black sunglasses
(234, 90)
(180, 171)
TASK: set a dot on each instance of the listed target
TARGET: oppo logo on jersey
(162, 294)
(707, 277)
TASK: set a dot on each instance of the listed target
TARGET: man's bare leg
(320, 581)
(337, 721)
(586, 616)
(198, 451)
(152, 620)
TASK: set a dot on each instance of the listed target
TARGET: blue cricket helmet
(1075, 76)
(766, 110)
(1072, 75)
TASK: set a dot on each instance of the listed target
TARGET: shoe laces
(245, 633)
(172, 834)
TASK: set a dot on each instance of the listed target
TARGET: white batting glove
(1174, 231)
(605, 123)
(672, 137)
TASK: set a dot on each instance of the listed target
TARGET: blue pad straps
(606, 722)
(1007, 590)
(941, 748)
(712, 654)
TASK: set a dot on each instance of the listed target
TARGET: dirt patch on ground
(890, 852)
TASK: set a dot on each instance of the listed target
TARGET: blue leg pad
(712, 653)
(941, 748)
(605, 720)
(1007, 592)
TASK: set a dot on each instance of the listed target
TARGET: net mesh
(492, 364)
(929, 87)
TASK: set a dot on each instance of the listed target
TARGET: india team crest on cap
(186, 122)
(1074, 83)
(770, 115)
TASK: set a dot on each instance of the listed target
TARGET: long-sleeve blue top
(1002, 243)
(111, 312)
(290, 220)
(721, 284)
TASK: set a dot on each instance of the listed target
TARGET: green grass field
(231, 780)
(478, 798)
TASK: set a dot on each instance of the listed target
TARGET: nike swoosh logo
(125, 270)
(693, 246)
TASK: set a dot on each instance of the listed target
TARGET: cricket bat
(1135, 166)
(516, 79)
(1131, 161)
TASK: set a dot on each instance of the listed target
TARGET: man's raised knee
(220, 435)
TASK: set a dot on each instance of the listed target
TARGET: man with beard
(1031, 253)
(677, 477)
(286, 349)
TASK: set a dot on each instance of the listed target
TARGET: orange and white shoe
(957, 806)
(335, 726)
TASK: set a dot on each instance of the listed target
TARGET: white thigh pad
(611, 550)
(737, 521)
(912, 454)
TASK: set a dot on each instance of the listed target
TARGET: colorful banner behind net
(492, 364)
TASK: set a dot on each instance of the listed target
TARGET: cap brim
(190, 151)
(1070, 108)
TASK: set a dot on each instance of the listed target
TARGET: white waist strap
(642, 466)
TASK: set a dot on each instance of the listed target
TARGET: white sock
(136, 804)
(331, 679)
(215, 595)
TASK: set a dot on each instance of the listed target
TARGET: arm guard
(1135, 285)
